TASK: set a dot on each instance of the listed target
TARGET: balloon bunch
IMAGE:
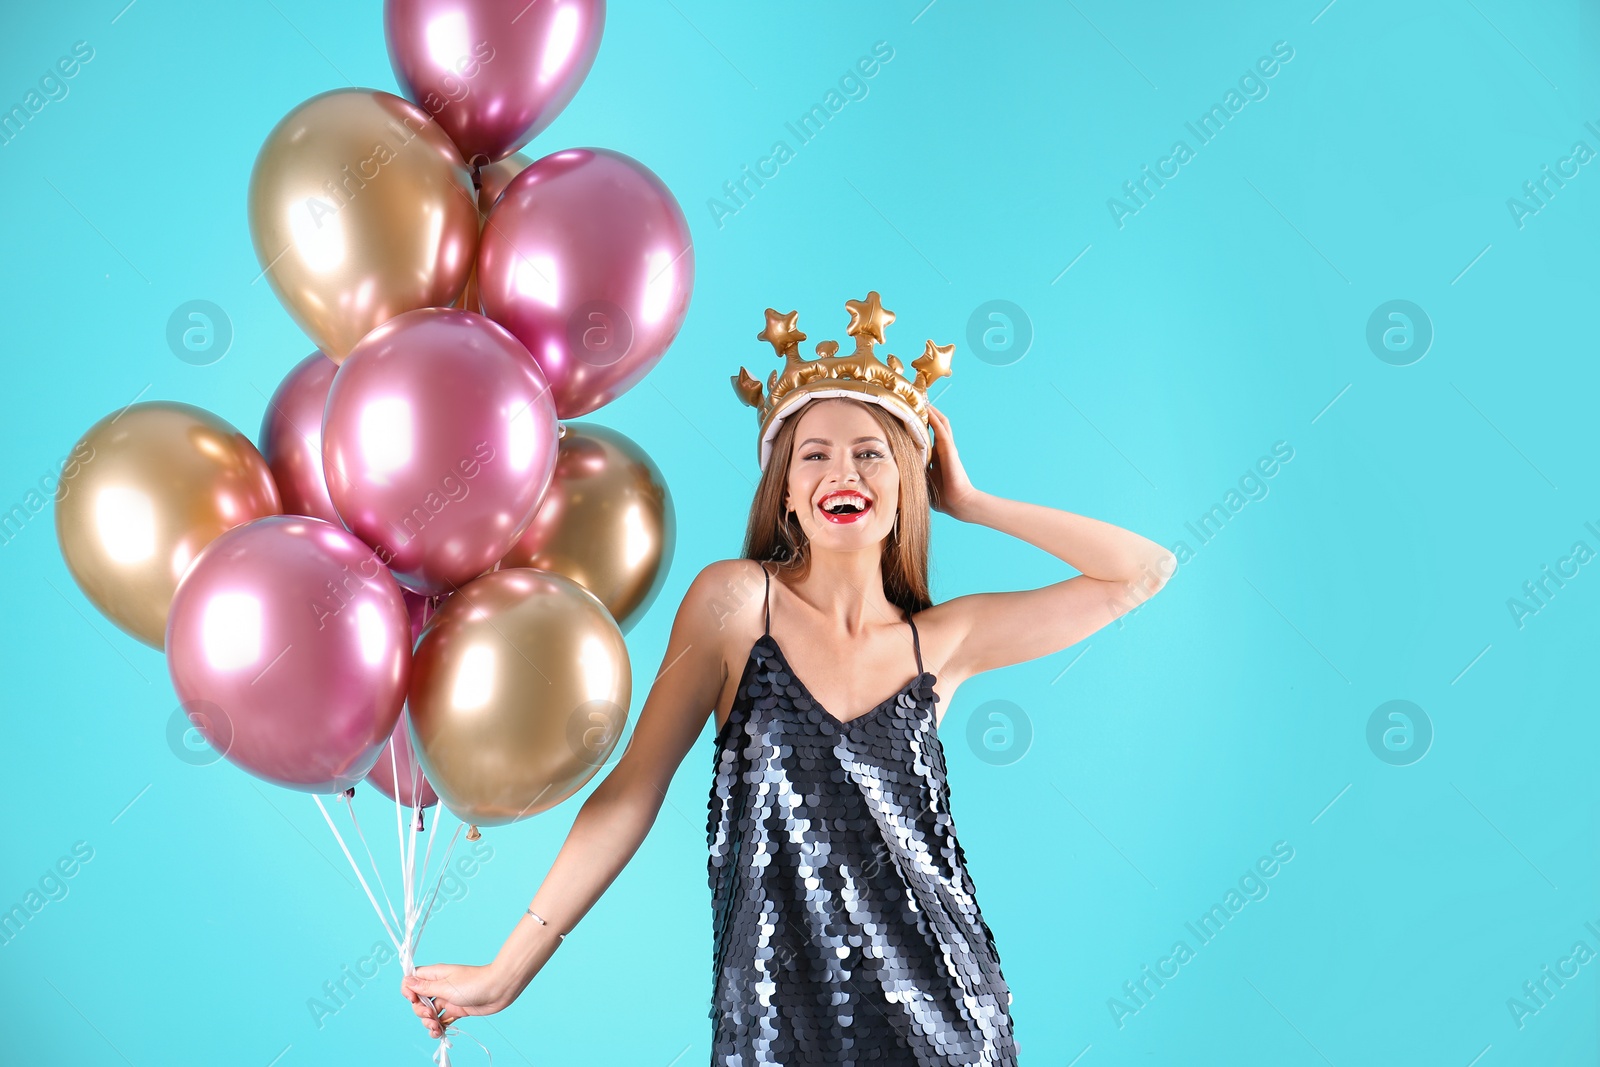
(422, 577)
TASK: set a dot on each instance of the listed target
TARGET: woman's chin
(849, 535)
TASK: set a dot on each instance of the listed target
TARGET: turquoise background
(1167, 755)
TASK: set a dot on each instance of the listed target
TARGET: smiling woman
(845, 925)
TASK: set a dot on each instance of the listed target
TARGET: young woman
(846, 928)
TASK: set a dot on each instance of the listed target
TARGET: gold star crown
(860, 375)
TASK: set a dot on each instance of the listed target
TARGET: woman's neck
(846, 590)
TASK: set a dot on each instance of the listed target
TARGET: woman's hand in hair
(952, 490)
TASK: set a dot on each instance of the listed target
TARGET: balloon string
(376, 873)
(427, 859)
(427, 854)
(444, 866)
(407, 857)
(441, 1055)
(407, 846)
(408, 852)
(355, 867)
(409, 849)
(416, 918)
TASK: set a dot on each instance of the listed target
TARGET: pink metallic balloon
(493, 73)
(414, 788)
(289, 647)
(587, 259)
(438, 442)
(291, 438)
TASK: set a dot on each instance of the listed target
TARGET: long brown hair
(904, 559)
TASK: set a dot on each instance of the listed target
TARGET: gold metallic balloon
(154, 484)
(607, 522)
(520, 687)
(361, 208)
(492, 181)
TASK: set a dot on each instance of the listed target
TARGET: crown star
(868, 317)
(748, 388)
(783, 332)
(933, 364)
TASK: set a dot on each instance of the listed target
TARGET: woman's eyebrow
(857, 441)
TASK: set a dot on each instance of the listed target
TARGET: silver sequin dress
(845, 927)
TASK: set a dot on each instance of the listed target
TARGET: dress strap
(766, 601)
(916, 643)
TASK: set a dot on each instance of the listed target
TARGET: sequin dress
(845, 927)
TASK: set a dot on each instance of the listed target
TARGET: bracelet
(538, 919)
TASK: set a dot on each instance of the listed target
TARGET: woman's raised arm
(1119, 571)
(612, 822)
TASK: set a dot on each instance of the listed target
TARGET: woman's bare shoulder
(724, 599)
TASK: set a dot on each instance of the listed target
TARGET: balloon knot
(472, 833)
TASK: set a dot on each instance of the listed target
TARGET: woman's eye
(871, 453)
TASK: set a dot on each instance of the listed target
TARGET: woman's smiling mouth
(844, 506)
